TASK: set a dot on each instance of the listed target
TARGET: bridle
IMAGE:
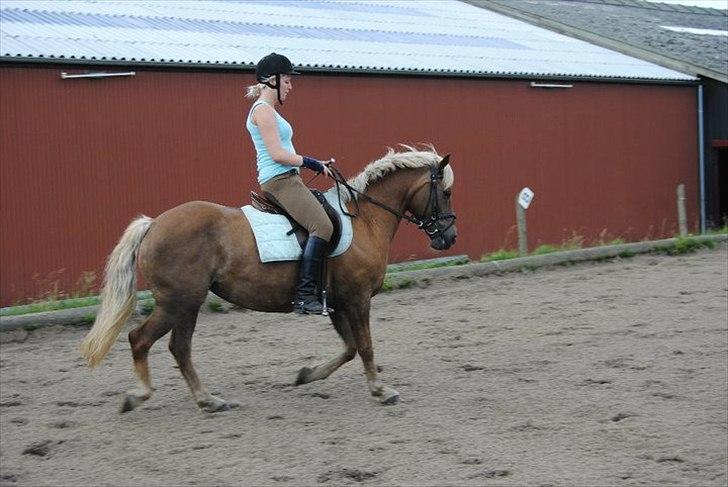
(428, 225)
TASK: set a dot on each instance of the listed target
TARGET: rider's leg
(310, 277)
(297, 200)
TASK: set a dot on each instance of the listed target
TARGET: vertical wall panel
(81, 158)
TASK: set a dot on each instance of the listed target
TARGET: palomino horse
(201, 246)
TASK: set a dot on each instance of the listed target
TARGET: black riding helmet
(274, 65)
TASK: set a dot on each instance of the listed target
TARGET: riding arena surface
(609, 373)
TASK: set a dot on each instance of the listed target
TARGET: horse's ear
(444, 162)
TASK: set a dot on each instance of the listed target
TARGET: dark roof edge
(606, 42)
(228, 67)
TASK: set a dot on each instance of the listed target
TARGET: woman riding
(278, 173)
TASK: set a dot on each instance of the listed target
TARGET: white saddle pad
(273, 243)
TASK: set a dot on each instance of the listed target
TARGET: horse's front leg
(322, 371)
(360, 327)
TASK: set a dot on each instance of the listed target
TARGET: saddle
(268, 204)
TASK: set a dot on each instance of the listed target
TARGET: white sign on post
(525, 197)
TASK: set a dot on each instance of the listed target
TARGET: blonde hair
(254, 91)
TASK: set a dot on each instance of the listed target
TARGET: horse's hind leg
(322, 371)
(180, 344)
(141, 339)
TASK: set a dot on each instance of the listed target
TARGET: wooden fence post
(522, 234)
(681, 218)
(523, 200)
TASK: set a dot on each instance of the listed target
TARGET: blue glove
(313, 164)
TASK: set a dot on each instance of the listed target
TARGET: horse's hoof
(390, 399)
(304, 376)
(130, 403)
(217, 406)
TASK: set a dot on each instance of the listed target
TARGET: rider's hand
(326, 164)
(313, 164)
(318, 166)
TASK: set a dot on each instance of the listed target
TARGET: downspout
(701, 157)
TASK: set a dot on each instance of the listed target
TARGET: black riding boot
(309, 278)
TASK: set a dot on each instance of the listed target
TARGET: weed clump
(215, 306)
(686, 245)
(501, 254)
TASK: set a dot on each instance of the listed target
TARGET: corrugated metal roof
(677, 35)
(434, 36)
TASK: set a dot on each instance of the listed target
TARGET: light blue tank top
(267, 167)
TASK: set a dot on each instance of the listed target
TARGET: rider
(278, 173)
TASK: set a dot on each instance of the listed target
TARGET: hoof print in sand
(63, 425)
(471, 368)
(10, 404)
(621, 416)
(74, 404)
(672, 459)
(347, 474)
(490, 474)
(472, 461)
(8, 478)
(41, 449)
(664, 395)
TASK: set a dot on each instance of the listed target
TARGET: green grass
(545, 249)
(501, 254)
(428, 264)
(392, 284)
(717, 231)
(54, 304)
(686, 245)
(89, 318)
(50, 305)
(216, 306)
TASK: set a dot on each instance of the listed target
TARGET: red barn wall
(80, 158)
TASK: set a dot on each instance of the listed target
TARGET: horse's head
(431, 205)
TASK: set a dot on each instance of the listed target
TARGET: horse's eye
(447, 193)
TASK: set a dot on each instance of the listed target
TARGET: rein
(429, 225)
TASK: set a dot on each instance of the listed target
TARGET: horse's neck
(392, 190)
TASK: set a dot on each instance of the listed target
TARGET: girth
(267, 203)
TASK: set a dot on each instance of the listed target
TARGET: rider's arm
(264, 118)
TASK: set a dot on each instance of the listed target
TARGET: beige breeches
(290, 192)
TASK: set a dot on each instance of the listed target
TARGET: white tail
(118, 296)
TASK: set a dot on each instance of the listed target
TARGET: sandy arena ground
(597, 374)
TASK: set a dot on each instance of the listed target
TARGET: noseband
(427, 225)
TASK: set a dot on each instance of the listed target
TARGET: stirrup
(299, 307)
(309, 308)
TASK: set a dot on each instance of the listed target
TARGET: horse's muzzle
(444, 240)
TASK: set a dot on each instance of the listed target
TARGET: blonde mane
(411, 157)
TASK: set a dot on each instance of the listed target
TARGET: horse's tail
(118, 296)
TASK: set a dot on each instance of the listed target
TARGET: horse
(200, 246)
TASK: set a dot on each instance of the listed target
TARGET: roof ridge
(660, 6)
